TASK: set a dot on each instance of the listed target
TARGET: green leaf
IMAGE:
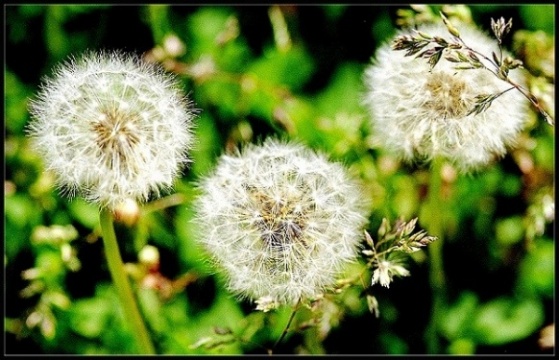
(55, 37)
(223, 93)
(151, 304)
(510, 230)
(214, 32)
(21, 211)
(462, 347)
(207, 145)
(31, 10)
(505, 320)
(537, 270)
(15, 102)
(90, 317)
(51, 264)
(456, 321)
(225, 312)
(333, 12)
(511, 185)
(537, 17)
(343, 93)
(158, 15)
(87, 214)
(291, 68)
(190, 252)
(207, 22)
(393, 344)
(405, 197)
(544, 152)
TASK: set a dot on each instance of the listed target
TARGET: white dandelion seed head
(280, 220)
(112, 128)
(420, 114)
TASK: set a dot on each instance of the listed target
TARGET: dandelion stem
(286, 329)
(120, 279)
(164, 202)
(436, 272)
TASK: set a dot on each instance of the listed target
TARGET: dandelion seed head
(419, 113)
(270, 217)
(112, 128)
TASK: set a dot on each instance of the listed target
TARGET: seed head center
(448, 95)
(116, 135)
(280, 225)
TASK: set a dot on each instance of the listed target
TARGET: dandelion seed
(281, 221)
(420, 111)
(112, 128)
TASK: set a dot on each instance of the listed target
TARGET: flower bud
(127, 212)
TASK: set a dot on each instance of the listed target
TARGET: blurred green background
(296, 72)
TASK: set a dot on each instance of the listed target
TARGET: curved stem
(436, 272)
(164, 202)
(120, 279)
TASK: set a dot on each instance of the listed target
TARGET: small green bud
(451, 29)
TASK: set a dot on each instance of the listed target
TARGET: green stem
(120, 279)
(435, 216)
(163, 203)
(286, 329)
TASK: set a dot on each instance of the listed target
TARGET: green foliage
(499, 321)
(536, 276)
(498, 251)
(544, 15)
(504, 320)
